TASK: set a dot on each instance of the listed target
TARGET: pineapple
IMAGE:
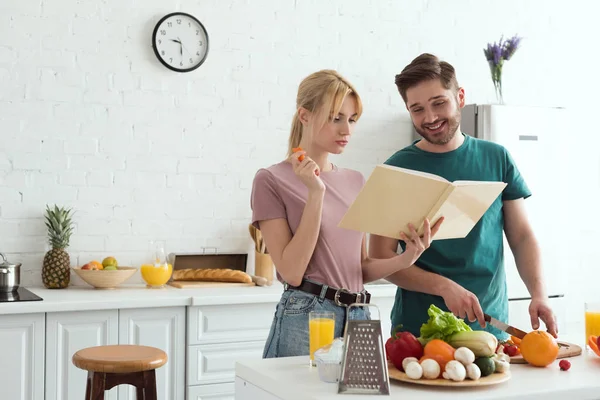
(56, 273)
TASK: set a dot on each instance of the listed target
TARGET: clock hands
(180, 45)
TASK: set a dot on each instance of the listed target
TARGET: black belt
(341, 297)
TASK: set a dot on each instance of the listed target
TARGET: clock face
(180, 42)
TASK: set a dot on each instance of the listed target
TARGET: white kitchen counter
(292, 379)
(76, 298)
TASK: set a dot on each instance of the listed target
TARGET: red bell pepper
(402, 345)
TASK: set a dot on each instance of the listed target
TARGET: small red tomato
(510, 351)
(564, 365)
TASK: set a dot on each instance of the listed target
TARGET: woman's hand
(307, 171)
(415, 244)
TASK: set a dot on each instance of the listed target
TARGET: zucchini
(481, 343)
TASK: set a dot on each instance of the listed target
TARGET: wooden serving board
(492, 379)
(566, 350)
(194, 284)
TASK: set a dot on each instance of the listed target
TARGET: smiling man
(465, 276)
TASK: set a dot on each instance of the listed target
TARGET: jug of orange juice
(158, 271)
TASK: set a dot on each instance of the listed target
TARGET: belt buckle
(359, 297)
(336, 297)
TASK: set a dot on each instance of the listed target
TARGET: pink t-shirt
(278, 193)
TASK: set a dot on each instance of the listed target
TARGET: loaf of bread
(211, 275)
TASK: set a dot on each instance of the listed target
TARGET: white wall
(90, 119)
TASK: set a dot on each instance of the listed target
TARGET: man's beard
(447, 134)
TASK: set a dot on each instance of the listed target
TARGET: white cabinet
(218, 335)
(22, 361)
(221, 391)
(230, 323)
(163, 328)
(66, 333)
(215, 363)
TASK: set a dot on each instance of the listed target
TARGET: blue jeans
(289, 331)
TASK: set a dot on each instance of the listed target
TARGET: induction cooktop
(21, 294)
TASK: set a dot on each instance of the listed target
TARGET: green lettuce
(441, 325)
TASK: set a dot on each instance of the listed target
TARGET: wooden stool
(109, 366)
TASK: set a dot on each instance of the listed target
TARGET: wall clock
(180, 42)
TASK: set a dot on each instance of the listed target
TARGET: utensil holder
(263, 266)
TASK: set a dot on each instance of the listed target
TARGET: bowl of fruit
(106, 274)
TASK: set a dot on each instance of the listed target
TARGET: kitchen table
(292, 379)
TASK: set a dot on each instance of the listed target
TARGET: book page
(390, 199)
(465, 206)
(469, 183)
(414, 172)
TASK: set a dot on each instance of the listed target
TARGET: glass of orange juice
(321, 328)
(592, 320)
(157, 272)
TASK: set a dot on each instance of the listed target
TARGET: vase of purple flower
(496, 54)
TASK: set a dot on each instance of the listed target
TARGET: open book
(392, 197)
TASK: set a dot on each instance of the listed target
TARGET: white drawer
(219, 391)
(229, 323)
(216, 363)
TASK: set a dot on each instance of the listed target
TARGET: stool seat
(119, 358)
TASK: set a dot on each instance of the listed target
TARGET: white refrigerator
(532, 136)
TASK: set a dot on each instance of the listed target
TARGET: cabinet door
(66, 333)
(163, 328)
(220, 391)
(215, 363)
(22, 361)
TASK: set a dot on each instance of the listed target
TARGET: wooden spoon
(254, 234)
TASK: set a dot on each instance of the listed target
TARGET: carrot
(516, 341)
(296, 149)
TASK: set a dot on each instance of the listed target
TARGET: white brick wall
(90, 119)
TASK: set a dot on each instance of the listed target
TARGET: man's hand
(463, 303)
(540, 309)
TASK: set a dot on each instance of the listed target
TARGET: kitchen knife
(511, 330)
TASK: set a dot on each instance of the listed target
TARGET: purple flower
(496, 53)
(510, 46)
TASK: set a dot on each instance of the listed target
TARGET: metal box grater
(364, 367)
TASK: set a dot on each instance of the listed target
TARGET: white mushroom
(502, 357)
(473, 371)
(455, 371)
(464, 355)
(501, 365)
(414, 370)
(408, 360)
(431, 369)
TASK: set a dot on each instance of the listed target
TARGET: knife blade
(511, 330)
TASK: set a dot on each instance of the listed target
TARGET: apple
(110, 268)
(87, 266)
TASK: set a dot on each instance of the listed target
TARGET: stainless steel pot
(10, 275)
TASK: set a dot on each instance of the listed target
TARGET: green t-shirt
(477, 261)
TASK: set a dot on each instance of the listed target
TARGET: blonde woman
(298, 203)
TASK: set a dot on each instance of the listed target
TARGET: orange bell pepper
(593, 343)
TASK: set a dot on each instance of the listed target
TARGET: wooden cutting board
(566, 350)
(191, 284)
